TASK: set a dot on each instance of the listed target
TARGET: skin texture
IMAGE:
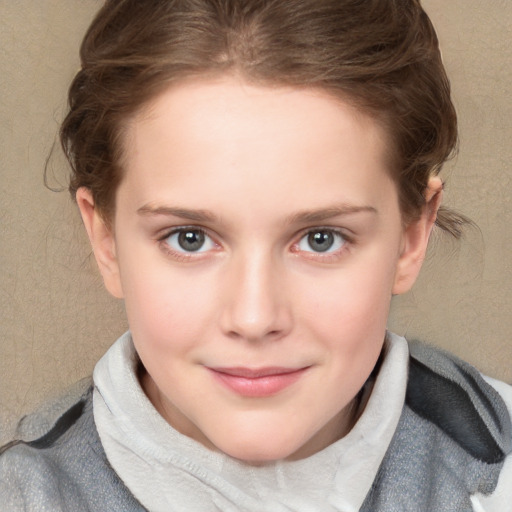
(257, 170)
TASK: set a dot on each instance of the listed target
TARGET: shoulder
(44, 418)
(30, 467)
(58, 463)
(469, 416)
(501, 498)
(451, 451)
(455, 397)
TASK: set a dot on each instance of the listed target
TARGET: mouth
(257, 382)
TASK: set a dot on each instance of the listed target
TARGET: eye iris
(191, 240)
(321, 241)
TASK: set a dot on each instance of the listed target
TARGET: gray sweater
(449, 453)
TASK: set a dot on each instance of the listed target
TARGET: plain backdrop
(56, 319)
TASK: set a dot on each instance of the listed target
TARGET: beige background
(56, 320)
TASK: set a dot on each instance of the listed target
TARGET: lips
(257, 382)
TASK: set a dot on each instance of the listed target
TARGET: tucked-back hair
(382, 56)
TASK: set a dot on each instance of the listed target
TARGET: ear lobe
(415, 239)
(102, 241)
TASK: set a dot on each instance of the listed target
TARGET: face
(257, 242)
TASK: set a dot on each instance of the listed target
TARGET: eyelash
(183, 255)
(326, 256)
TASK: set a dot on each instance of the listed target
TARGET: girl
(257, 180)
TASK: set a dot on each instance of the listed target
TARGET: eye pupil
(321, 241)
(191, 240)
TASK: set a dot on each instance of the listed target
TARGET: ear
(415, 239)
(102, 240)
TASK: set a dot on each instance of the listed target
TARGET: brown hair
(381, 55)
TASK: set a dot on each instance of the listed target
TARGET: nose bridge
(256, 307)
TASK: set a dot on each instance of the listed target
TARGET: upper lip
(254, 373)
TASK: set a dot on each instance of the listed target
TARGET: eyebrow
(306, 216)
(184, 213)
(321, 214)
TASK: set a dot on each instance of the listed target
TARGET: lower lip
(258, 387)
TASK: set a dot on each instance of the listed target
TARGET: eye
(321, 241)
(189, 240)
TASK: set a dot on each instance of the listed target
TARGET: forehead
(224, 99)
(232, 137)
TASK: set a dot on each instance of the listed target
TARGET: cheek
(356, 297)
(348, 314)
(166, 309)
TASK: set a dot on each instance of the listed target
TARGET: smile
(257, 383)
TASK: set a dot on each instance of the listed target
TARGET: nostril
(254, 337)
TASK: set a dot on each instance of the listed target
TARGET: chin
(255, 457)
(260, 451)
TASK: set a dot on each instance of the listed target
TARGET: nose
(256, 306)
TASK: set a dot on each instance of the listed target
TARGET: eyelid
(346, 233)
(324, 256)
(166, 233)
(183, 255)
